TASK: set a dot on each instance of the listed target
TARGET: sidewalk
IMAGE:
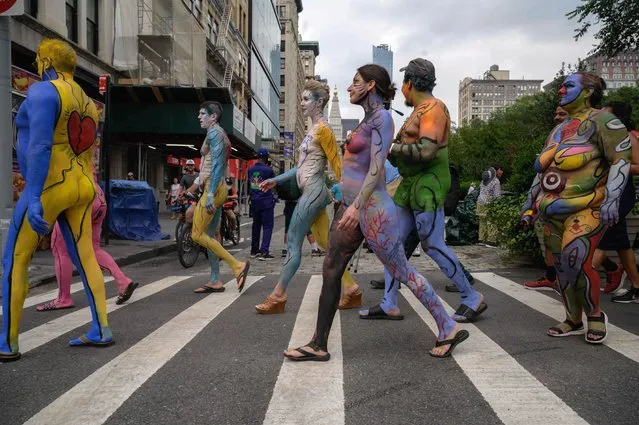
(124, 252)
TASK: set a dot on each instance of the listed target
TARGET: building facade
(479, 98)
(335, 118)
(292, 77)
(265, 31)
(383, 56)
(619, 71)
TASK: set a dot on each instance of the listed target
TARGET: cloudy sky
(463, 38)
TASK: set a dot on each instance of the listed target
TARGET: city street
(187, 358)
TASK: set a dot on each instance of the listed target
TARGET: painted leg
(63, 273)
(105, 260)
(21, 243)
(430, 227)
(77, 221)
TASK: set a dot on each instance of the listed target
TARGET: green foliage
(617, 21)
(504, 214)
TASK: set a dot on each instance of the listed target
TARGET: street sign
(102, 87)
(11, 7)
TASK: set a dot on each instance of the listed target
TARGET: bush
(504, 214)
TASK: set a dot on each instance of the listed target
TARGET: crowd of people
(390, 191)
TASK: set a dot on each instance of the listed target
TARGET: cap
(229, 180)
(420, 67)
(262, 153)
(130, 174)
(190, 162)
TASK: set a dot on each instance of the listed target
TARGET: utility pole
(6, 132)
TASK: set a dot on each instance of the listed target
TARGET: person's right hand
(267, 185)
(35, 215)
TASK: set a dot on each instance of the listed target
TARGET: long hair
(623, 111)
(385, 88)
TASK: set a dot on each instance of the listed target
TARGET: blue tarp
(133, 211)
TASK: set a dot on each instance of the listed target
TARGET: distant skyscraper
(335, 117)
(383, 56)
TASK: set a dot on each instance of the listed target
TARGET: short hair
(596, 84)
(213, 107)
(420, 83)
(623, 111)
(319, 91)
(62, 55)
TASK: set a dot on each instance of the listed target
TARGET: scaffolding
(171, 45)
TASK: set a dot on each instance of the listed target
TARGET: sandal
(603, 334)
(205, 289)
(122, 298)
(9, 357)
(575, 329)
(377, 313)
(84, 341)
(460, 336)
(241, 278)
(308, 356)
(465, 314)
(51, 305)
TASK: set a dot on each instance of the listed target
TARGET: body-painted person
(56, 133)
(581, 174)
(369, 213)
(208, 213)
(420, 152)
(64, 265)
(318, 147)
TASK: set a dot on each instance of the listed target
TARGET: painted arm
(43, 104)
(23, 138)
(329, 146)
(218, 149)
(634, 168)
(617, 149)
(284, 177)
(381, 136)
(433, 136)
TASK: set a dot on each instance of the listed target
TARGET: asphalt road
(185, 358)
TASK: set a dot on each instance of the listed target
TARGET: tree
(619, 24)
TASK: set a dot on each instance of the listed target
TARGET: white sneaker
(417, 252)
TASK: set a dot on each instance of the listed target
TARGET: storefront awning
(172, 112)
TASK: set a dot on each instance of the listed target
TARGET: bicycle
(232, 235)
(188, 251)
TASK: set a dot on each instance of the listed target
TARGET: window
(283, 98)
(93, 35)
(282, 81)
(31, 8)
(72, 20)
(195, 6)
(281, 10)
(212, 28)
(282, 115)
(282, 63)
(283, 46)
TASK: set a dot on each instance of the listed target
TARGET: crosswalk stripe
(42, 334)
(310, 392)
(623, 342)
(47, 296)
(98, 396)
(512, 392)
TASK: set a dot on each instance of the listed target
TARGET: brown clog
(271, 306)
(348, 301)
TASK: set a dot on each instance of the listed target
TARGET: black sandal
(241, 278)
(459, 337)
(127, 293)
(575, 329)
(467, 314)
(9, 357)
(308, 356)
(603, 334)
(377, 313)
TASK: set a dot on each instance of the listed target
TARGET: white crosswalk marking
(310, 392)
(513, 393)
(47, 296)
(36, 337)
(622, 341)
(96, 398)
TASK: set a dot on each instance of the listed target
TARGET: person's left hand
(349, 220)
(609, 212)
(35, 215)
(210, 208)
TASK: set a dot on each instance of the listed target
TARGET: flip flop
(51, 305)
(9, 357)
(241, 278)
(308, 356)
(83, 341)
(459, 337)
(603, 318)
(127, 293)
(575, 329)
(377, 313)
(207, 289)
(467, 314)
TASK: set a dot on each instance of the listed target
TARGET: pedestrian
(420, 153)
(318, 149)
(489, 189)
(174, 193)
(262, 207)
(64, 265)
(130, 176)
(208, 212)
(368, 212)
(578, 196)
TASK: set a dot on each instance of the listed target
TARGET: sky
(462, 38)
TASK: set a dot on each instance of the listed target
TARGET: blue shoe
(85, 341)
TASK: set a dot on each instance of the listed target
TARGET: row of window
(93, 34)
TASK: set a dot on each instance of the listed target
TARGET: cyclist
(230, 204)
